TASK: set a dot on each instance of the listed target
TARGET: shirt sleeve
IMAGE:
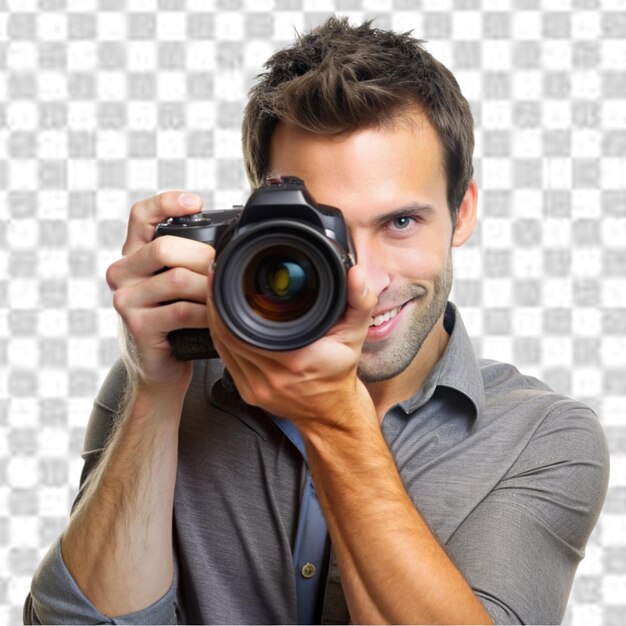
(55, 598)
(520, 547)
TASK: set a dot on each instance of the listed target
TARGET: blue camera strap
(311, 539)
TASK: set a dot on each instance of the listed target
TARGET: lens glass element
(280, 284)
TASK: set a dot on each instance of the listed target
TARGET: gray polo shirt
(510, 476)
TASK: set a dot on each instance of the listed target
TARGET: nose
(374, 261)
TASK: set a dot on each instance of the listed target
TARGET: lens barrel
(280, 284)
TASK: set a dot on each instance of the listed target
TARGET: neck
(388, 393)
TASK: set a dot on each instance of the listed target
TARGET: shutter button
(308, 570)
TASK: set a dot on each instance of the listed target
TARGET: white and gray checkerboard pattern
(103, 102)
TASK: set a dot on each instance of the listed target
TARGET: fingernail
(189, 200)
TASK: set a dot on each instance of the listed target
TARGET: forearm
(360, 605)
(393, 568)
(118, 545)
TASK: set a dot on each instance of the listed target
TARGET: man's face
(390, 185)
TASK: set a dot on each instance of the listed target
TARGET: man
(454, 490)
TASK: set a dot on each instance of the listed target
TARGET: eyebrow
(411, 209)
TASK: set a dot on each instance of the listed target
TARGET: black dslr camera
(280, 268)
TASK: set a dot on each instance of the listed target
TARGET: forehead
(399, 162)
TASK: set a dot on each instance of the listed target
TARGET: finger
(180, 314)
(360, 296)
(361, 299)
(146, 214)
(158, 254)
(150, 327)
(210, 303)
(175, 284)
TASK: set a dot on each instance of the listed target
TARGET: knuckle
(120, 300)
(111, 276)
(263, 395)
(177, 277)
(138, 210)
(180, 312)
(162, 250)
(250, 397)
(298, 363)
(136, 325)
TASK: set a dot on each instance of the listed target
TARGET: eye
(402, 223)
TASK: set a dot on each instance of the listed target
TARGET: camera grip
(192, 343)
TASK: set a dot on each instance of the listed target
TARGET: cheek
(426, 258)
(418, 264)
(431, 266)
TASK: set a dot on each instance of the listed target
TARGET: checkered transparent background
(103, 102)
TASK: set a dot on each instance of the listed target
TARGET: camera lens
(280, 284)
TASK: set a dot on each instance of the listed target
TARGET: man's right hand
(153, 303)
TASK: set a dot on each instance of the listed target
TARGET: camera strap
(311, 547)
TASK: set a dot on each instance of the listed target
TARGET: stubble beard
(387, 361)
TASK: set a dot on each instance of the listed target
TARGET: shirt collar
(457, 369)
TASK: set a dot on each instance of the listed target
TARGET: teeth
(381, 319)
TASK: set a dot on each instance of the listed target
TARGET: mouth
(379, 320)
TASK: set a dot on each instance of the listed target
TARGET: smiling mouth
(385, 317)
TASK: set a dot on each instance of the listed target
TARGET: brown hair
(339, 78)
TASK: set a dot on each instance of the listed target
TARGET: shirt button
(308, 570)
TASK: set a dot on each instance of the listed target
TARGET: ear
(466, 218)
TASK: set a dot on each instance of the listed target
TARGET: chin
(378, 370)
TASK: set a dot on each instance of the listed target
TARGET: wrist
(170, 388)
(348, 418)
(149, 403)
(169, 393)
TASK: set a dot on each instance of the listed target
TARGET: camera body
(281, 268)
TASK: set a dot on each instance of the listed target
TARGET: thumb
(361, 298)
